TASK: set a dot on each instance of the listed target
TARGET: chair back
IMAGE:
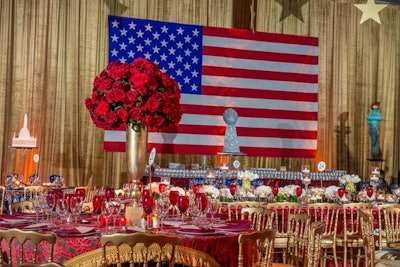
(24, 206)
(185, 256)
(234, 208)
(392, 226)
(297, 238)
(381, 222)
(314, 244)
(367, 233)
(157, 248)
(10, 236)
(280, 219)
(351, 218)
(258, 246)
(326, 213)
(261, 218)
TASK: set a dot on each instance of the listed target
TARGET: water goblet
(114, 208)
(75, 206)
(183, 205)
(214, 205)
(37, 206)
(50, 202)
(62, 210)
(109, 193)
(173, 198)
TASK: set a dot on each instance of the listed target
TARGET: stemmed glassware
(37, 206)
(114, 206)
(75, 207)
(173, 198)
(213, 207)
(147, 204)
(163, 209)
(50, 202)
(183, 205)
(62, 209)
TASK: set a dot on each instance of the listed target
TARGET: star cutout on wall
(291, 7)
(370, 11)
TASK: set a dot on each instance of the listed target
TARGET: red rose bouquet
(138, 93)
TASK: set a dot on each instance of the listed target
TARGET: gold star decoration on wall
(291, 7)
(370, 11)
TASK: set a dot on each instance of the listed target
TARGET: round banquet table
(223, 247)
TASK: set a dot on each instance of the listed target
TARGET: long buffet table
(185, 178)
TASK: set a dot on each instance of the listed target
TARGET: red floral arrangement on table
(138, 93)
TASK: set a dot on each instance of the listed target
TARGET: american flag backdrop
(271, 80)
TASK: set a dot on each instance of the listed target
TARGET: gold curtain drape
(52, 50)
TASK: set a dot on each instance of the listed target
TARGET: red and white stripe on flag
(271, 80)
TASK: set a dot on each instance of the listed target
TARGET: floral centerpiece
(139, 94)
(210, 190)
(134, 97)
(349, 180)
(247, 177)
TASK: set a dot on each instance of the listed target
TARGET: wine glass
(213, 205)
(51, 202)
(97, 203)
(109, 193)
(173, 198)
(37, 206)
(203, 200)
(163, 209)
(75, 206)
(62, 209)
(114, 208)
(80, 192)
(183, 205)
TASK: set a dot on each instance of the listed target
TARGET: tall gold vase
(136, 154)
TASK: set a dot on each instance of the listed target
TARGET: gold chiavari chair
(23, 237)
(382, 242)
(185, 256)
(261, 218)
(258, 246)
(234, 208)
(326, 213)
(158, 248)
(351, 238)
(280, 223)
(315, 244)
(392, 226)
(367, 232)
(297, 238)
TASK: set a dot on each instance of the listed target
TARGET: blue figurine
(373, 118)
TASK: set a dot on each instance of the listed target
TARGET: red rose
(122, 114)
(110, 118)
(102, 108)
(118, 72)
(152, 104)
(119, 96)
(140, 79)
(158, 121)
(135, 114)
(148, 120)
